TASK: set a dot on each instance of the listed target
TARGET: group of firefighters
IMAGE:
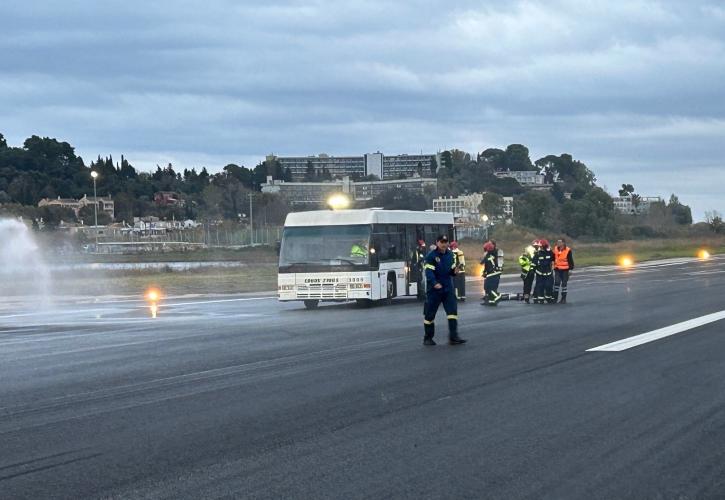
(543, 269)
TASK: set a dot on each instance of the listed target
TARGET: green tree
(446, 160)
(592, 215)
(627, 189)
(575, 175)
(516, 157)
(681, 214)
(536, 209)
(714, 221)
(87, 215)
(491, 205)
(52, 216)
(493, 158)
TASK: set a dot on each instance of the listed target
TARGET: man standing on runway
(563, 265)
(543, 267)
(440, 267)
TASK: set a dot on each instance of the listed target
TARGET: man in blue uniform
(543, 263)
(440, 267)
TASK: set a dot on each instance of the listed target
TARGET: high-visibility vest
(358, 251)
(561, 258)
(526, 263)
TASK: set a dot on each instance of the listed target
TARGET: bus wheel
(312, 304)
(364, 303)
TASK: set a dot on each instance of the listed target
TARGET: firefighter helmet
(488, 247)
(544, 243)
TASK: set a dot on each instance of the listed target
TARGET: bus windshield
(325, 245)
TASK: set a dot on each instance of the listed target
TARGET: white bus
(362, 255)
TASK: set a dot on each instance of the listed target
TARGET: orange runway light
(152, 295)
(626, 261)
(703, 255)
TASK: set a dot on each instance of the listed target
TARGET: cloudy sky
(634, 88)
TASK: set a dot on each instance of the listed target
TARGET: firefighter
(359, 250)
(563, 265)
(543, 261)
(460, 279)
(526, 261)
(417, 274)
(491, 274)
(440, 267)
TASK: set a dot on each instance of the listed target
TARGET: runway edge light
(703, 254)
(626, 261)
(152, 295)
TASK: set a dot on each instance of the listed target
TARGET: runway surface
(243, 397)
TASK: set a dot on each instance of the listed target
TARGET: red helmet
(488, 247)
(536, 243)
(454, 245)
(544, 243)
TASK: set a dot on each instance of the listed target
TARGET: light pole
(251, 220)
(94, 174)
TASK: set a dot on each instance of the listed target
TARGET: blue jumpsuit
(492, 278)
(544, 290)
(439, 269)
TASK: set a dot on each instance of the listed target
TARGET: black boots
(429, 330)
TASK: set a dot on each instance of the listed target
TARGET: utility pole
(94, 175)
(251, 219)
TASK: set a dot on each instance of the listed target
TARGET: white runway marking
(628, 343)
(202, 302)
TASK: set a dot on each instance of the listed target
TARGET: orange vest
(561, 258)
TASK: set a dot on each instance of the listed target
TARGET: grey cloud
(633, 88)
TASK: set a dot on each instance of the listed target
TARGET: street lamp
(94, 175)
(338, 201)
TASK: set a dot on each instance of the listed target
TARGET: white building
(465, 208)
(628, 206)
(316, 193)
(524, 177)
(378, 164)
(105, 204)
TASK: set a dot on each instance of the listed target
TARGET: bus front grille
(322, 291)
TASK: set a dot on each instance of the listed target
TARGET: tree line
(48, 168)
(574, 204)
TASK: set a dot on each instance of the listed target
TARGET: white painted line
(201, 302)
(628, 343)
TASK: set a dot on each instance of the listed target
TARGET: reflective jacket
(439, 268)
(563, 259)
(526, 263)
(358, 251)
(543, 261)
(490, 265)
